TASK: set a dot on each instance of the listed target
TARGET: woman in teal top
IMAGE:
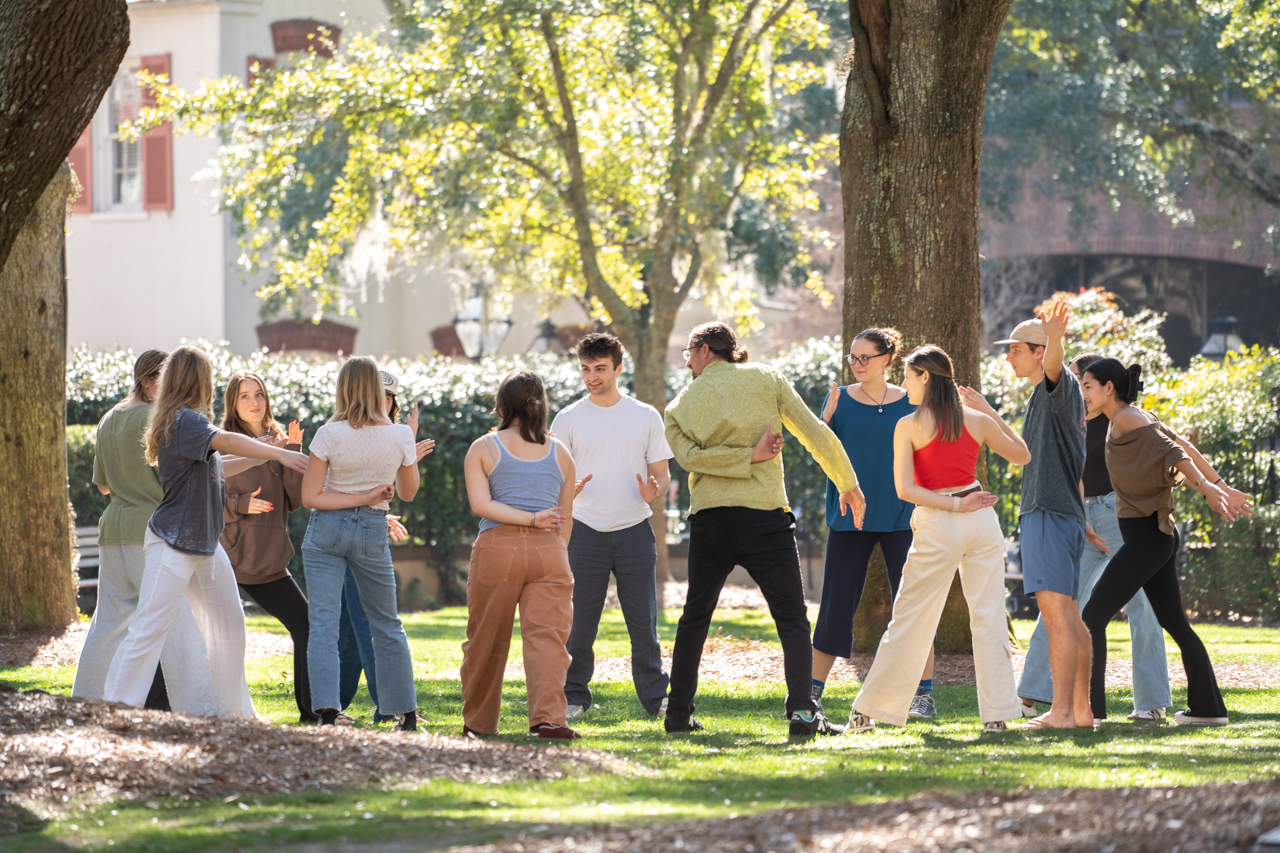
(863, 416)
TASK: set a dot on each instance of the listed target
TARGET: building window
(118, 161)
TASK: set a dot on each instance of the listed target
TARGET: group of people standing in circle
(197, 511)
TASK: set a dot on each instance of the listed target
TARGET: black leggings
(844, 576)
(285, 601)
(1146, 562)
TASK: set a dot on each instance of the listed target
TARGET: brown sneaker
(550, 731)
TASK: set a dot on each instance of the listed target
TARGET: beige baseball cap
(1028, 332)
(390, 382)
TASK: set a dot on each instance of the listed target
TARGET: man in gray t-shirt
(1051, 519)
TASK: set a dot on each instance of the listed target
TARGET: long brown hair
(231, 420)
(147, 366)
(359, 399)
(720, 339)
(522, 398)
(186, 382)
(941, 399)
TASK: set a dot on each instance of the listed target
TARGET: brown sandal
(550, 731)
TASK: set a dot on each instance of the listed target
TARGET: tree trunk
(649, 381)
(57, 60)
(37, 578)
(910, 150)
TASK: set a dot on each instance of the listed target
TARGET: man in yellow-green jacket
(725, 429)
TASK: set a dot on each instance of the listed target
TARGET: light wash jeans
(354, 538)
(1150, 669)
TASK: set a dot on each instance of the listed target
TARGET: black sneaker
(675, 727)
(809, 723)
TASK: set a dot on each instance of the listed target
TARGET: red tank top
(940, 464)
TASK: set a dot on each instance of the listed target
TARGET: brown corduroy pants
(516, 566)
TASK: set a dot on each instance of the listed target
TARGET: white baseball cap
(390, 382)
(1028, 332)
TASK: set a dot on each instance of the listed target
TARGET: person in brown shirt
(1145, 460)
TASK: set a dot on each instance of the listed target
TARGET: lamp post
(546, 336)
(480, 332)
(1223, 340)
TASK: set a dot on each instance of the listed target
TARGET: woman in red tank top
(935, 455)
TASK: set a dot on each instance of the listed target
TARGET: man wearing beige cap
(1051, 518)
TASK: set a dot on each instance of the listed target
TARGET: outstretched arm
(243, 446)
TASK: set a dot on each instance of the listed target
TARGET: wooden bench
(88, 560)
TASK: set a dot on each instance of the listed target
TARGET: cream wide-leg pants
(209, 584)
(944, 540)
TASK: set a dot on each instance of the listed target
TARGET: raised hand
(1054, 320)
(256, 505)
(974, 400)
(395, 529)
(649, 490)
(1095, 540)
(577, 487)
(854, 501)
(769, 445)
(412, 421)
(422, 448)
(549, 519)
(977, 501)
(295, 433)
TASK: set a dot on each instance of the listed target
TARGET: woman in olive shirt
(119, 470)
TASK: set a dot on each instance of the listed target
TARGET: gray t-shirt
(189, 517)
(1054, 432)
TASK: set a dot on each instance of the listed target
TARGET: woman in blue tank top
(863, 416)
(520, 482)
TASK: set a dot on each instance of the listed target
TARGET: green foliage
(86, 500)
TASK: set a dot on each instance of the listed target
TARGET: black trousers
(844, 576)
(1146, 561)
(764, 543)
(285, 601)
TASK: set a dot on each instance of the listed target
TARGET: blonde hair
(186, 382)
(359, 399)
(231, 420)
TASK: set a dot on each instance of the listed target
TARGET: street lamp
(479, 331)
(546, 336)
(1223, 340)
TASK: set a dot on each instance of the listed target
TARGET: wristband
(955, 503)
(1217, 481)
(533, 520)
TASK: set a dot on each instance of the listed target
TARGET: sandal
(550, 731)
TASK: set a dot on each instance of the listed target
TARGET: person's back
(119, 464)
(524, 475)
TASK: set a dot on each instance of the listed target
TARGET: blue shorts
(1051, 546)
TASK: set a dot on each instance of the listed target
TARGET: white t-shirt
(612, 444)
(365, 458)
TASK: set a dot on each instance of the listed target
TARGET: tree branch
(1246, 161)
(866, 71)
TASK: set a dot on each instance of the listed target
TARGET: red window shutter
(157, 147)
(264, 63)
(81, 159)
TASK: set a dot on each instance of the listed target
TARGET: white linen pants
(943, 540)
(209, 584)
(186, 667)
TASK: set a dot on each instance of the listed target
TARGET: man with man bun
(721, 429)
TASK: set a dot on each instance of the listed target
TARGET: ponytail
(1127, 381)
(720, 339)
(522, 399)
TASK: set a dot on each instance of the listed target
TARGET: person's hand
(422, 448)
(257, 506)
(295, 433)
(1095, 540)
(274, 439)
(853, 501)
(649, 490)
(379, 494)
(974, 400)
(549, 519)
(577, 487)
(1054, 321)
(976, 501)
(412, 420)
(769, 445)
(295, 460)
(395, 529)
(1218, 501)
(1240, 503)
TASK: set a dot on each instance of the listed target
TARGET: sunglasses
(862, 360)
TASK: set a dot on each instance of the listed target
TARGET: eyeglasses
(684, 353)
(862, 360)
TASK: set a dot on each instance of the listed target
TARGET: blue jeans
(355, 649)
(1150, 669)
(356, 540)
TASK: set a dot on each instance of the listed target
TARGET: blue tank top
(529, 485)
(867, 436)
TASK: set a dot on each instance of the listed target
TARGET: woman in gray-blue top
(863, 416)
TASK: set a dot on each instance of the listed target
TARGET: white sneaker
(1184, 718)
(1028, 711)
(662, 709)
(1151, 715)
(574, 712)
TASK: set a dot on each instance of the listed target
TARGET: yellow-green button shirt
(713, 424)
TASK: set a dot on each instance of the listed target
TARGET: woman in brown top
(256, 536)
(1145, 460)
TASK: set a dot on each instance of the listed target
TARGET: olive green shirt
(713, 424)
(119, 464)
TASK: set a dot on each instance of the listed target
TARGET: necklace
(880, 405)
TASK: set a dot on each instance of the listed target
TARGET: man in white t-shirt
(620, 449)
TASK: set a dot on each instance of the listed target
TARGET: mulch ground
(1086, 820)
(57, 753)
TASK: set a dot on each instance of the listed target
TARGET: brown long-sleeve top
(1141, 464)
(259, 545)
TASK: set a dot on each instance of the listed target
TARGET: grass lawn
(743, 763)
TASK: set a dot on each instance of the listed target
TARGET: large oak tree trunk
(648, 348)
(37, 580)
(910, 149)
